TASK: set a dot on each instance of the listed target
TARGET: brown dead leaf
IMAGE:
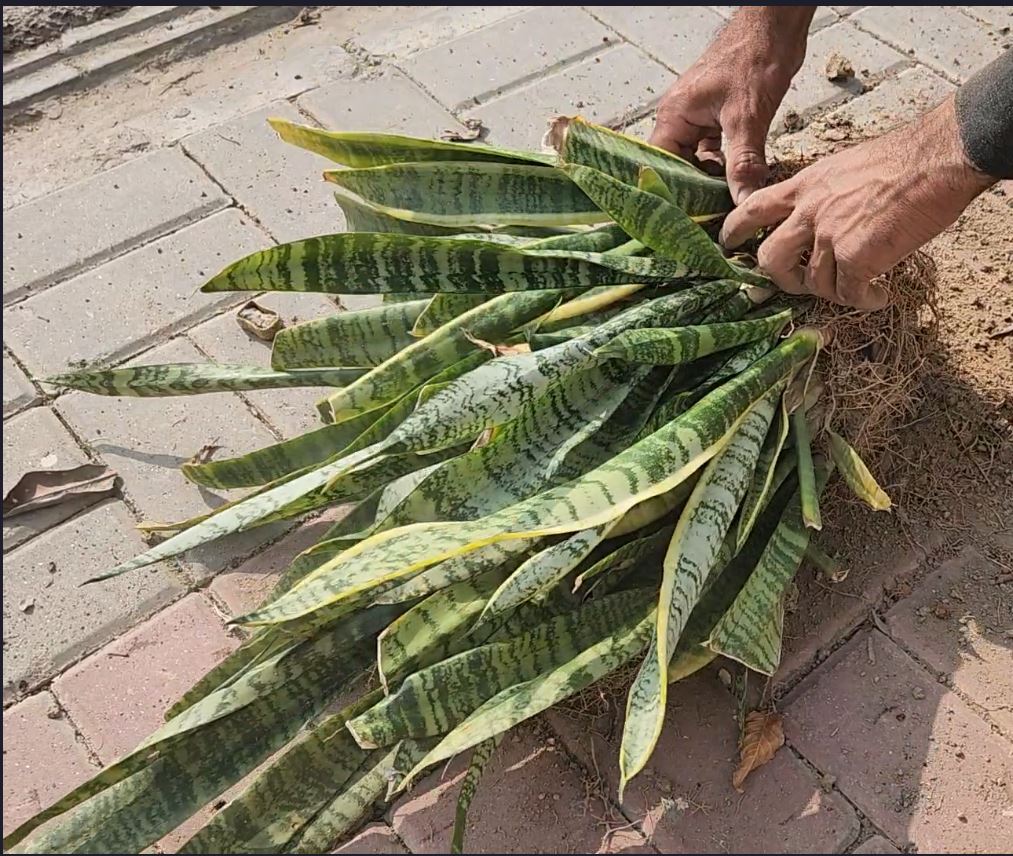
(498, 350)
(258, 321)
(473, 130)
(205, 453)
(761, 738)
(42, 488)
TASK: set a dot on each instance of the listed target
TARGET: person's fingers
(821, 272)
(675, 133)
(745, 156)
(858, 290)
(763, 208)
(709, 155)
(780, 256)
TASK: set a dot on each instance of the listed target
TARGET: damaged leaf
(473, 130)
(43, 488)
(205, 453)
(258, 321)
(762, 736)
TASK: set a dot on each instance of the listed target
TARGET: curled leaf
(43, 488)
(762, 736)
(857, 475)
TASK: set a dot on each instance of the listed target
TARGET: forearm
(782, 30)
(985, 117)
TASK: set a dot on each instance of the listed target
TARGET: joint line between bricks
(911, 57)
(644, 50)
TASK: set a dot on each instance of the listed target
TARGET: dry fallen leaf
(498, 350)
(205, 453)
(42, 488)
(258, 321)
(472, 130)
(761, 738)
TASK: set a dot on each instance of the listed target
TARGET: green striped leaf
(628, 556)
(650, 181)
(856, 474)
(763, 475)
(806, 471)
(677, 345)
(430, 702)
(591, 302)
(358, 149)
(691, 558)
(363, 217)
(443, 308)
(363, 338)
(197, 378)
(459, 193)
(623, 158)
(369, 263)
(600, 239)
(663, 227)
(481, 756)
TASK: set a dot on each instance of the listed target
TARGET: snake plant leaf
(806, 472)
(678, 345)
(623, 158)
(691, 558)
(197, 378)
(369, 263)
(519, 702)
(356, 149)
(480, 757)
(362, 217)
(366, 337)
(856, 474)
(651, 510)
(627, 556)
(599, 239)
(431, 701)
(592, 301)
(657, 224)
(750, 631)
(443, 308)
(763, 475)
(461, 193)
(650, 181)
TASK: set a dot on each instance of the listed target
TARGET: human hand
(735, 88)
(861, 211)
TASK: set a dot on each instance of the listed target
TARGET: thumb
(745, 159)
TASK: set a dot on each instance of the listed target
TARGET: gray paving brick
(811, 91)
(478, 66)
(676, 35)
(389, 103)
(37, 440)
(290, 411)
(277, 183)
(50, 619)
(54, 237)
(146, 440)
(876, 844)
(939, 36)
(18, 390)
(605, 88)
(997, 16)
(387, 30)
(107, 314)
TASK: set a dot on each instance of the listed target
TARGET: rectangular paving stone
(957, 622)
(684, 799)
(876, 844)
(530, 800)
(247, 587)
(279, 184)
(605, 88)
(43, 760)
(108, 314)
(118, 695)
(147, 439)
(50, 619)
(18, 390)
(289, 411)
(389, 103)
(675, 35)
(997, 16)
(52, 238)
(938, 36)
(910, 754)
(375, 838)
(810, 90)
(37, 440)
(481, 64)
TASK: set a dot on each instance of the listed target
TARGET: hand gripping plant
(574, 437)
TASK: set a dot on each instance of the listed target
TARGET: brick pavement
(881, 754)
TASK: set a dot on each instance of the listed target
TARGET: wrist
(778, 34)
(948, 157)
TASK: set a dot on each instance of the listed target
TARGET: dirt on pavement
(31, 26)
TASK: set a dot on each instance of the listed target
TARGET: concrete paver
(875, 844)
(607, 87)
(147, 439)
(58, 235)
(684, 798)
(277, 183)
(917, 761)
(119, 694)
(34, 730)
(477, 66)
(37, 440)
(968, 643)
(18, 390)
(289, 411)
(110, 313)
(50, 619)
(676, 37)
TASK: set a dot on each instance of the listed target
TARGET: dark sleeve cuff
(985, 117)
